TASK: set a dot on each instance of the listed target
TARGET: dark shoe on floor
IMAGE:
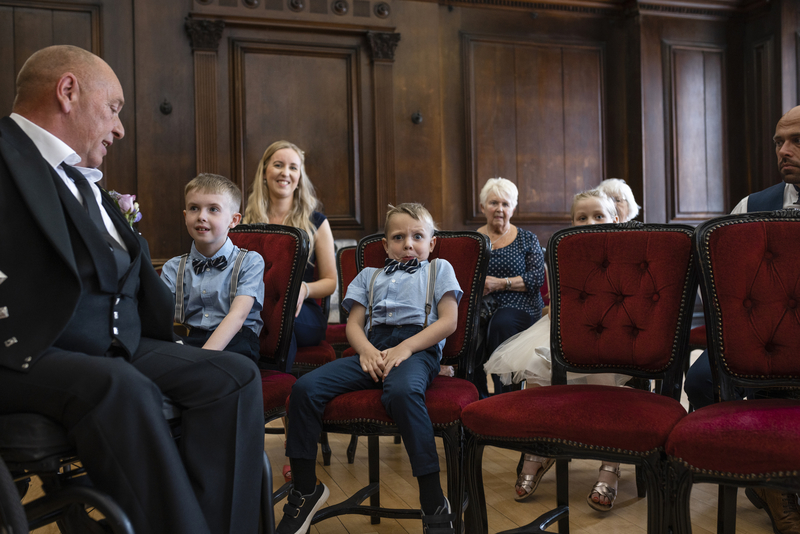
(441, 522)
(782, 508)
(300, 509)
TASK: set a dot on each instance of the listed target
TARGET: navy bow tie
(203, 265)
(411, 266)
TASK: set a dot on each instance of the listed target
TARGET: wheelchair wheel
(12, 515)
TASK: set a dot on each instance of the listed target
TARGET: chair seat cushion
(445, 399)
(349, 352)
(30, 437)
(620, 418)
(742, 437)
(315, 356)
(275, 386)
(336, 334)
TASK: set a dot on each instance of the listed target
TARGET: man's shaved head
(42, 70)
(74, 95)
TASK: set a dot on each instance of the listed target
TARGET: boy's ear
(237, 218)
(385, 245)
(433, 243)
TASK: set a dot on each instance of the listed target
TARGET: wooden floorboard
(399, 489)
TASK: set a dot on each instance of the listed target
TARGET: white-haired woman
(283, 194)
(512, 297)
(620, 192)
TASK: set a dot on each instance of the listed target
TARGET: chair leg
(475, 519)
(562, 492)
(641, 488)
(351, 449)
(374, 455)
(326, 449)
(267, 504)
(726, 513)
(452, 439)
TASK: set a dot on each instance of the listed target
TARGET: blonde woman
(283, 194)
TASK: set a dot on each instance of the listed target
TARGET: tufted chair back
(618, 299)
(750, 269)
(285, 252)
(468, 253)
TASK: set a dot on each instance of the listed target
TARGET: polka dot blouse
(523, 257)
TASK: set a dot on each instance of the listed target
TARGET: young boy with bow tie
(399, 318)
(219, 296)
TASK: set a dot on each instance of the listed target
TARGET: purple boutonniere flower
(128, 206)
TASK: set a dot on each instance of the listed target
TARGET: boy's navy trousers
(403, 397)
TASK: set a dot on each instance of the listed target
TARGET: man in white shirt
(87, 335)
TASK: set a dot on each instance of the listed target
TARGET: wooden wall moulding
(309, 94)
(382, 45)
(205, 36)
(534, 115)
(697, 160)
(364, 13)
(761, 73)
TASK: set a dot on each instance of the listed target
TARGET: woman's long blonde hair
(304, 200)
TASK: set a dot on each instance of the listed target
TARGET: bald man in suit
(88, 341)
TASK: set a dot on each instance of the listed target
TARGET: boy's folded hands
(372, 363)
(394, 357)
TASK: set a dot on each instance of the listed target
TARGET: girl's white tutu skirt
(526, 356)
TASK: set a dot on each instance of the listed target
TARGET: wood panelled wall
(401, 100)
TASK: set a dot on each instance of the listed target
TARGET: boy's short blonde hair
(606, 201)
(214, 184)
(416, 211)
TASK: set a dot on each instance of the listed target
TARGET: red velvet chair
(621, 301)
(285, 252)
(750, 267)
(362, 413)
(347, 270)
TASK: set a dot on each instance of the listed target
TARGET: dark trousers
(112, 410)
(699, 385)
(403, 397)
(504, 323)
(309, 330)
(245, 341)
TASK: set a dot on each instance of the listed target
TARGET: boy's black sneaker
(441, 522)
(300, 509)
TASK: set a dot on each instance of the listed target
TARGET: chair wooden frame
(289, 289)
(650, 463)
(682, 474)
(461, 356)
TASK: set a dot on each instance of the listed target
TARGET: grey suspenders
(180, 310)
(428, 297)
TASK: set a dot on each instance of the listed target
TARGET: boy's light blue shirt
(206, 296)
(399, 298)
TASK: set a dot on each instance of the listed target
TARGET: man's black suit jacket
(43, 285)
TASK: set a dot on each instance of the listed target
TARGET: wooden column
(382, 47)
(205, 36)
